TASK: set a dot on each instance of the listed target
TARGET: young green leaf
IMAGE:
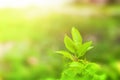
(76, 36)
(90, 48)
(75, 64)
(66, 54)
(69, 44)
(85, 47)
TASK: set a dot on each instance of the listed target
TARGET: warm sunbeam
(25, 3)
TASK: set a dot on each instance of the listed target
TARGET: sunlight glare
(25, 3)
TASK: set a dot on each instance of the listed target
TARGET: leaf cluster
(80, 71)
(75, 46)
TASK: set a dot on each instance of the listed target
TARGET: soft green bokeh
(30, 36)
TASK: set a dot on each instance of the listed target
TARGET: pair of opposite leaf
(75, 47)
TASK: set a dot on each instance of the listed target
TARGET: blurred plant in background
(30, 32)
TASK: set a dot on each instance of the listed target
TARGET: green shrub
(79, 68)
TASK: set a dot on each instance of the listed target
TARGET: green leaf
(68, 74)
(66, 54)
(69, 44)
(75, 64)
(90, 48)
(85, 47)
(76, 36)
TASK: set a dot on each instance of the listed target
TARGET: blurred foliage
(30, 36)
(84, 71)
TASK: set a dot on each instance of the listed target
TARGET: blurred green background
(30, 35)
